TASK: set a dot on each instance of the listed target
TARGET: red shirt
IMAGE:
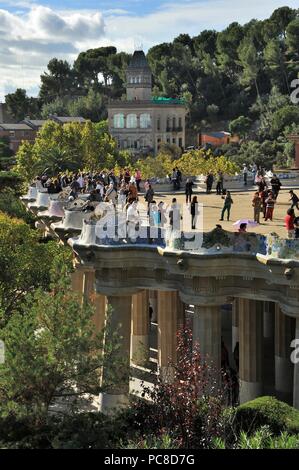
(289, 222)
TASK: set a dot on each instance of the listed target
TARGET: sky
(33, 32)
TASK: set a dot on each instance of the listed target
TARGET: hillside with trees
(239, 79)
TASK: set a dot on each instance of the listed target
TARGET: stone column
(98, 300)
(269, 347)
(295, 358)
(116, 379)
(77, 280)
(207, 332)
(88, 284)
(269, 320)
(153, 300)
(169, 305)
(140, 328)
(284, 335)
(235, 324)
(250, 332)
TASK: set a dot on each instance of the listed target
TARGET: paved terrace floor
(242, 208)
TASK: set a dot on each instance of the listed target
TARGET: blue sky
(34, 31)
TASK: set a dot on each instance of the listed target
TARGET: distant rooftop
(15, 127)
(163, 100)
(34, 123)
(66, 119)
(138, 61)
(217, 135)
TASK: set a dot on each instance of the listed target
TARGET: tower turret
(139, 78)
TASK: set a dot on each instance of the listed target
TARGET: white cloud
(29, 40)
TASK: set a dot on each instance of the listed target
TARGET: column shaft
(269, 320)
(140, 328)
(207, 333)
(153, 300)
(250, 331)
(116, 380)
(235, 324)
(284, 334)
(169, 305)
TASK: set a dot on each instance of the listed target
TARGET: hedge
(10, 179)
(279, 416)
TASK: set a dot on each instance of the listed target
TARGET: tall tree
(19, 105)
(57, 81)
(250, 64)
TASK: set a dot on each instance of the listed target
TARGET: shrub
(267, 411)
(12, 180)
(11, 205)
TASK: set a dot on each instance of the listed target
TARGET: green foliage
(240, 126)
(267, 411)
(292, 32)
(51, 350)
(11, 180)
(19, 105)
(59, 106)
(24, 264)
(261, 439)
(11, 205)
(5, 154)
(73, 146)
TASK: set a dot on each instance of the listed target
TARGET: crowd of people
(125, 189)
(122, 191)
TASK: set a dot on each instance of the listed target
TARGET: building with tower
(142, 122)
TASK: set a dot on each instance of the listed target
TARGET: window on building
(174, 140)
(180, 142)
(180, 122)
(145, 121)
(131, 121)
(168, 123)
(173, 122)
(119, 121)
(158, 123)
(168, 140)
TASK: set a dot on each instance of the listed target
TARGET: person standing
(174, 215)
(276, 185)
(257, 207)
(227, 205)
(289, 223)
(296, 225)
(219, 186)
(138, 179)
(174, 177)
(245, 174)
(149, 197)
(162, 211)
(127, 176)
(270, 207)
(262, 184)
(178, 178)
(194, 212)
(189, 190)
(209, 182)
(294, 200)
(264, 195)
